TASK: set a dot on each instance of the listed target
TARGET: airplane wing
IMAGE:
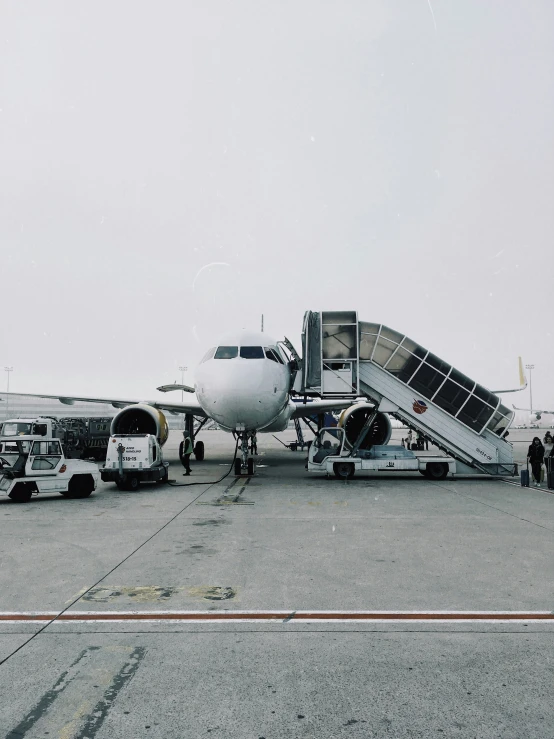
(192, 406)
(534, 410)
(315, 407)
(522, 382)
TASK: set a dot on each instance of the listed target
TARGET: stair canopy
(433, 379)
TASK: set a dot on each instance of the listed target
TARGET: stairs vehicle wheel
(199, 451)
(343, 470)
(80, 486)
(238, 467)
(250, 466)
(436, 471)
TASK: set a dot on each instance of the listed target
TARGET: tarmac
(284, 605)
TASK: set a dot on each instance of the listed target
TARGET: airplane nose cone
(240, 399)
(247, 408)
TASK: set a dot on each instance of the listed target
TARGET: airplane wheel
(238, 467)
(250, 466)
(436, 470)
(343, 470)
(199, 451)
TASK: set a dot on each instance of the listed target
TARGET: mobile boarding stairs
(344, 357)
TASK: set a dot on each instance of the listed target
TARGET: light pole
(8, 370)
(530, 367)
(183, 370)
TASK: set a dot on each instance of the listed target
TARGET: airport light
(530, 367)
(8, 370)
(183, 370)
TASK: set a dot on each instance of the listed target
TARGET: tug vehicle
(29, 466)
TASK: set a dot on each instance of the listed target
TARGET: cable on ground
(189, 484)
(107, 574)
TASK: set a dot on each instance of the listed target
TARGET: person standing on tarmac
(185, 450)
(535, 455)
(548, 445)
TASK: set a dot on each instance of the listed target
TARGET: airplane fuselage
(243, 383)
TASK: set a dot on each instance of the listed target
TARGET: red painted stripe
(285, 615)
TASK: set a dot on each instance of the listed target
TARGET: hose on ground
(207, 482)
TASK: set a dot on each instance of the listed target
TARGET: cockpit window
(226, 352)
(272, 354)
(208, 355)
(252, 352)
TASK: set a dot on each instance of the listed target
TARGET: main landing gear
(198, 446)
(245, 464)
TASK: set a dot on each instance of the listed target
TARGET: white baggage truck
(132, 459)
(29, 429)
(331, 453)
(29, 466)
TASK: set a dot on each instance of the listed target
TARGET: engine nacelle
(141, 419)
(352, 420)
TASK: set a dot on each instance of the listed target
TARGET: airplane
(523, 380)
(537, 414)
(244, 384)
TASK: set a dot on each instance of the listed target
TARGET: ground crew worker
(185, 450)
(535, 455)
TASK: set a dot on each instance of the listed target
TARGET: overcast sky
(172, 170)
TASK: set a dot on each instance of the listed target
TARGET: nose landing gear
(246, 465)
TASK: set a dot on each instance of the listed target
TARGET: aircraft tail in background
(522, 381)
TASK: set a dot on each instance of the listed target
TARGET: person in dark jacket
(535, 455)
(185, 450)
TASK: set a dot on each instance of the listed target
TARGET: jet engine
(141, 419)
(352, 420)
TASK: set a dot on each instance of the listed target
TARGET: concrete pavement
(280, 541)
